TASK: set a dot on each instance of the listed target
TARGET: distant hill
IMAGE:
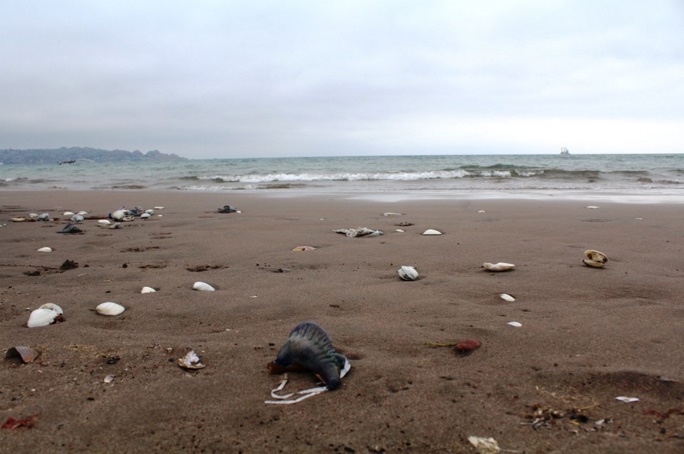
(74, 154)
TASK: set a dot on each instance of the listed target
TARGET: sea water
(620, 176)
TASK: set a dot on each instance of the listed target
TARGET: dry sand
(587, 336)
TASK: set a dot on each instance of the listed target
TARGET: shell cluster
(45, 315)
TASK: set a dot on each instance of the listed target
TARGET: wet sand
(587, 335)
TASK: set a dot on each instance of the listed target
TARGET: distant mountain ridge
(75, 154)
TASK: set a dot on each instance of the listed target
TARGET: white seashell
(501, 266)
(389, 213)
(45, 249)
(104, 222)
(507, 297)
(158, 208)
(592, 207)
(202, 286)
(52, 307)
(515, 324)
(190, 361)
(147, 290)
(400, 230)
(109, 308)
(150, 211)
(627, 400)
(43, 317)
(484, 445)
(482, 211)
(408, 273)
(69, 213)
(77, 218)
(109, 378)
(82, 213)
(432, 232)
(595, 259)
(145, 215)
(33, 215)
(118, 215)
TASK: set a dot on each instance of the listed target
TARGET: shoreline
(587, 337)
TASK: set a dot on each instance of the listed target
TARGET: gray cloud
(236, 79)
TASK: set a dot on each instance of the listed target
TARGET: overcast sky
(207, 79)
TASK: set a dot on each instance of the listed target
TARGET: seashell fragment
(507, 297)
(303, 248)
(515, 324)
(68, 213)
(627, 400)
(27, 354)
(45, 249)
(104, 222)
(432, 232)
(191, 361)
(202, 286)
(500, 266)
(407, 273)
(109, 308)
(109, 378)
(147, 290)
(158, 208)
(82, 213)
(485, 445)
(310, 347)
(595, 259)
(45, 315)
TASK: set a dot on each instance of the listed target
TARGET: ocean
(649, 177)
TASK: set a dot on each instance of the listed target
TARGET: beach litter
(500, 266)
(26, 354)
(358, 232)
(484, 445)
(191, 361)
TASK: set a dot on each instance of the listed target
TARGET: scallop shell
(202, 286)
(45, 249)
(432, 232)
(507, 297)
(407, 273)
(190, 361)
(147, 290)
(501, 266)
(595, 259)
(44, 316)
(109, 308)
(309, 346)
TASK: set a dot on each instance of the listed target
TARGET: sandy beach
(587, 337)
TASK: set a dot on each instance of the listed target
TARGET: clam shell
(27, 354)
(432, 232)
(202, 286)
(104, 222)
(68, 213)
(158, 208)
(594, 259)
(43, 317)
(190, 361)
(53, 307)
(507, 297)
(118, 215)
(45, 249)
(407, 273)
(147, 290)
(500, 266)
(515, 324)
(109, 308)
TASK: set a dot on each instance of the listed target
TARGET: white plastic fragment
(507, 297)
(484, 445)
(627, 400)
(515, 324)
